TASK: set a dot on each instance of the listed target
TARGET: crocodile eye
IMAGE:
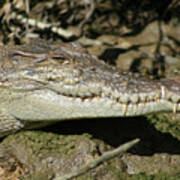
(58, 57)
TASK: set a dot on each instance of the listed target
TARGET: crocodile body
(46, 82)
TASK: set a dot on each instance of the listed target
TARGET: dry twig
(104, 158)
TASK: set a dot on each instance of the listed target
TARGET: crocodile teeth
(142, 97)
(175, 98)
(175, 106)
(124, 98)
(135, 106)
(134, 98)
(163, 92)
(124, 109)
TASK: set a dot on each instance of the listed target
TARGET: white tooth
(135, 106)
(151, 96)
(103, 95)
(157, 99)
(142, 98)
(116, 94)
(124, 109)
(124, 98)
(169, 95)
(163, 92)
(144, 104)
(157, 96)
(107, 91)
(175, 106)
(174, 98)
(134, 98)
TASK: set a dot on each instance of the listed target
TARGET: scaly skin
(44, 82)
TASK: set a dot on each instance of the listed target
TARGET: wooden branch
(104, 158)
(41, 25)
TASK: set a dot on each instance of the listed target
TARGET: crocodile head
(73, 75)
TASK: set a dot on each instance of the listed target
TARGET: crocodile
(43, 82)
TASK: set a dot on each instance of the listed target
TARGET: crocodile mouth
(159, 101)
(163, 99)
(140, 108)
(144, 104)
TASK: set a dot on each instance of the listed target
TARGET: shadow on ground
(115, 131)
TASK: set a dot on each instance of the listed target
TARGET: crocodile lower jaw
(58, 107)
